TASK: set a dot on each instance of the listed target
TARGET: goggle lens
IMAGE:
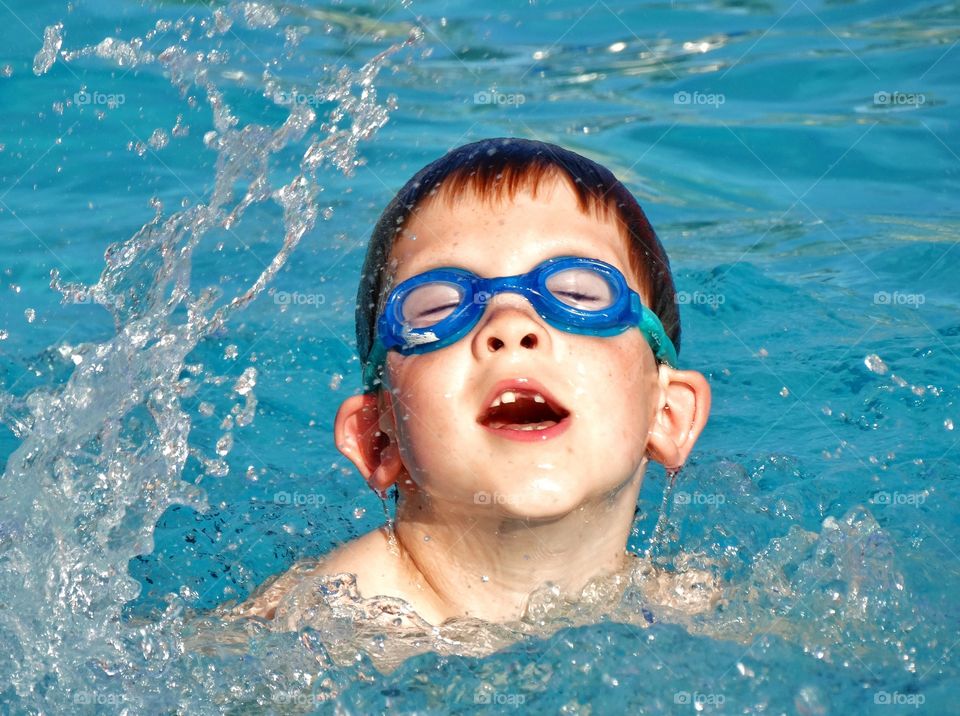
(582, 288)
(430, 303)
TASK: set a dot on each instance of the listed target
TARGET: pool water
(184, 210)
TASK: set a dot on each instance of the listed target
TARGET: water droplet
(225, 444)
(179, 128)
(784, 392)
(258, 15)
(30, 314)
(359, 512)
(159, 139)
(246, 381)
(335, 381)
(52, 40)
(875, 363)
(948, 423)
(217, 468)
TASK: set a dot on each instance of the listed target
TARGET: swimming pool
(798, 160)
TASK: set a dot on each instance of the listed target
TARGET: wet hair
(497, 169)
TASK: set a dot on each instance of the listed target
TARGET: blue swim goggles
(574, 294)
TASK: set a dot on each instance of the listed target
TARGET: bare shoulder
(363, 554)
(368, 557)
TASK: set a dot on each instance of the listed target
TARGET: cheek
(425, 405)
(619, 390)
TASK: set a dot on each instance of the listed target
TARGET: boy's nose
(510, 322)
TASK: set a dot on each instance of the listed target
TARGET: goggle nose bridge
(489, 288)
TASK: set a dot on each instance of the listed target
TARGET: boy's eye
(581, 288)
(574, 298)
(429, 304)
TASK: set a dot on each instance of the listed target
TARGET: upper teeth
(508, 396)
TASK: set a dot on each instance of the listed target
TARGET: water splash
(103, 455)
(663, 519)
(47, 55)
(835, 594)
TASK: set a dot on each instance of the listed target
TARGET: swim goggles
(575, 294)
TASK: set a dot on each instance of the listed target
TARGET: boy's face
(609, 385)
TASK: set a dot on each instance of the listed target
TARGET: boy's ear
(680, 418)
(358, 436)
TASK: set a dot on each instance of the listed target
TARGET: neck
(485, 564)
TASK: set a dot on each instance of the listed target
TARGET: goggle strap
(651, 327)
(373, 366)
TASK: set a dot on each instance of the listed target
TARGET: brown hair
(498, 168)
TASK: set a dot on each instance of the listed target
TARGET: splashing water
(101, 457)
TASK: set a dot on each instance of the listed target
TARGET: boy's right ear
(358, 436)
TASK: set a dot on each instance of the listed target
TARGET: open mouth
(522, 408)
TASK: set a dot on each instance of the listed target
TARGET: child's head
(527, 407)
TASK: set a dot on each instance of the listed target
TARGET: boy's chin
(543, 504)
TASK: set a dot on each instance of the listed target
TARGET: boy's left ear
(680, 417)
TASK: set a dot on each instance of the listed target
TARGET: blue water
(800, 162)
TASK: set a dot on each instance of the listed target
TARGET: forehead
(504, 236)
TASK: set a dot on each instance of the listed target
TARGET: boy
(518, 328)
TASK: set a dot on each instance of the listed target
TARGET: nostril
(529, 341)
(494, 344)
